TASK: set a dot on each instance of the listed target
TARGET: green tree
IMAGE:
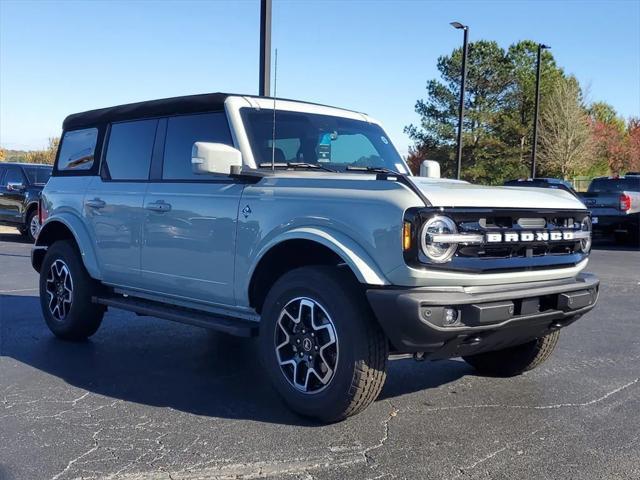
(499, 103)
(488, 80)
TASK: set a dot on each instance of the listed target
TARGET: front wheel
(515, 360)
(65, 294)
(31, 226)
(322, 349)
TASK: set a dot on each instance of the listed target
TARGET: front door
(113, 203)
(190, 220)
(12, 201)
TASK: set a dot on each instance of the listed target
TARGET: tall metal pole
(463, 83)
(265, 48)
(537, 108)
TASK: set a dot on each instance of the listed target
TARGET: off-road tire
(515, 360)
(359, 373)
(83, 317)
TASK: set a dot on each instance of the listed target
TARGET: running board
(232, 326)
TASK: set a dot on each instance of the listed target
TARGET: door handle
(159, 206)
(96, 203)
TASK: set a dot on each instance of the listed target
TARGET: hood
(456, 193)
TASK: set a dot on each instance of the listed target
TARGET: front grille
(502, 257)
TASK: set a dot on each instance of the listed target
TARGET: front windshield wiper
(388, 171)
(296, 165)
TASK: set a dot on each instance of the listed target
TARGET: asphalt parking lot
(149, 399)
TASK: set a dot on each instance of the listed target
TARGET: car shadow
(12, 237)
(159, 363)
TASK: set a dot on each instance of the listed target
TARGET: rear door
(113, 204)
(190, 220)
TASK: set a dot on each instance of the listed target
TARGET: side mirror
(15, 187)
(430, 168)
(214, 158)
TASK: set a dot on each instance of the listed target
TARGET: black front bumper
(488, 317)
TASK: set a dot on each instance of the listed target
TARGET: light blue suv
(302, 224)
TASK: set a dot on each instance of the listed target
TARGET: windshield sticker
(384, 140)
(324, 148)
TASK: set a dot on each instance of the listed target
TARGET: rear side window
(129, 150)
(77, 149)
(182, 132)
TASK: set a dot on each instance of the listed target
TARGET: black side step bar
(232, 326)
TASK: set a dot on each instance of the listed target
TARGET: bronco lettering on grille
(511, 237)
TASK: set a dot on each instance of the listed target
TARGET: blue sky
(374, 56)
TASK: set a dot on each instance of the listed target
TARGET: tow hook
(419, 356)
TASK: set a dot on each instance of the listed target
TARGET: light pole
(541, 47)
(465, 49)
(265, 48)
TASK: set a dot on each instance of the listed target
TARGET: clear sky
(374, 56)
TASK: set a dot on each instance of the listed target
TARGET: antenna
(275, 90)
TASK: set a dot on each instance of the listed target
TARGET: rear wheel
(65, 294)
(515, 360)
(322, 349)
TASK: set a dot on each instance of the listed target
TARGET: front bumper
(488, 317)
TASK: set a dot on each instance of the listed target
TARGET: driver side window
(14, 175)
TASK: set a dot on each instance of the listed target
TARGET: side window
(129, 149)
(77, 149)
(182, 132)
(2, 170)
(14, 175)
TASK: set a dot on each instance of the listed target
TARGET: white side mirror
(430, 168)
(214, 158)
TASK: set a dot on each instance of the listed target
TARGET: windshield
(331, 142)
(614, 185)
(37, 175)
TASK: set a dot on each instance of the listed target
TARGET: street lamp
(465, 50)
(541, 47)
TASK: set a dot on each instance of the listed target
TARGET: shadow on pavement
(12, 236)
(159, 363)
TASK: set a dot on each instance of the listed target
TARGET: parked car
(310, 232)
(538, 182)
(615, 205)
(20, 187)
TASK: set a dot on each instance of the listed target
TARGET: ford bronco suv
(302, 225)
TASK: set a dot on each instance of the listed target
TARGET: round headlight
(585, 226)
(438, 252)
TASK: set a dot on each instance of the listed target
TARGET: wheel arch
(308, 246)
(65, 227)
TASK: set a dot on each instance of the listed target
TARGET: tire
(65, 294)
(515, 360)
(354, 363)
(28, 230)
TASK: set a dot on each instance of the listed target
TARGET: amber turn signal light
(406, 236)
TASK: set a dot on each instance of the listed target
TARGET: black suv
(20, 187)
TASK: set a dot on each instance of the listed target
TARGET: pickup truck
(301, 224)
(20, 187)
(614, 203)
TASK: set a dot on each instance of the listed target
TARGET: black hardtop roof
(204, 102)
